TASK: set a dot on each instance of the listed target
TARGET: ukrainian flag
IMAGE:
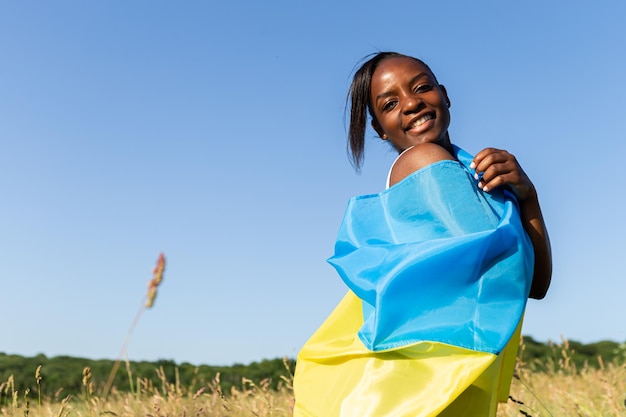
(439, 274)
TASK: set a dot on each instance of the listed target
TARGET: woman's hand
(500, 168)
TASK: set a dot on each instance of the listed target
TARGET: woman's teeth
(422, 120)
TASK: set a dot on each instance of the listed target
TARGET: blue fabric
(433, 258)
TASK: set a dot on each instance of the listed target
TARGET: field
(560, 389)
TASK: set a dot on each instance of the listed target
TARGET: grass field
(562, 390)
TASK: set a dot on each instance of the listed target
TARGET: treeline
(549, 357)
(64, 375)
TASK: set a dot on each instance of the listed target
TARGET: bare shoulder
(417, 158)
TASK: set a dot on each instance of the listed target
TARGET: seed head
(38, 375)
(157, 277)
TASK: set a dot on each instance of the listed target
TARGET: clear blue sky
(214, 132)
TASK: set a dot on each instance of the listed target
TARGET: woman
(439, 265)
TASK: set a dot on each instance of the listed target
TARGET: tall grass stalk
(148, 302)
(38, 380)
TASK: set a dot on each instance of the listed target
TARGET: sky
(214, 132)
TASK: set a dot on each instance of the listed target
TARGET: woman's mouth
(418, 124)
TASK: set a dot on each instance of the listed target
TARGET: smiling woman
(439, 266)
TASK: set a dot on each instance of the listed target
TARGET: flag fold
(439, 274)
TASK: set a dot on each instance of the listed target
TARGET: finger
(493, 165)
(491, 159)
(514, 179)
(481, 155)
(493, 183)
(498, 169)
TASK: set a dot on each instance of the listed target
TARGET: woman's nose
(411, 104)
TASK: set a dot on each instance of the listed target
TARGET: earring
(384, 136)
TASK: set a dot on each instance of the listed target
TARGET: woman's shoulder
(414, 159)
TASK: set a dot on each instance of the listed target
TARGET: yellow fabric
(336, 376)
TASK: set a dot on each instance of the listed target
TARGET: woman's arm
(500, 168)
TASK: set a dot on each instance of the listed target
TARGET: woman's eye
(423, 88)
(389, 105)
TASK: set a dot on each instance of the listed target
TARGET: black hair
(360, 103)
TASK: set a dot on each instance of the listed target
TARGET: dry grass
(253, 400)
(565, 390)
(590, 392)
(562, 391)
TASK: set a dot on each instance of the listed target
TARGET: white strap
(391, 169)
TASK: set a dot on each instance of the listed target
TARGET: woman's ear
(445, 94)
(378, 129)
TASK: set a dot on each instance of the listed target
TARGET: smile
(421, 120)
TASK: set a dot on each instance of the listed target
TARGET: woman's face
(409, 106)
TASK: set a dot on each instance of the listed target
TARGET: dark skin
(411, 110)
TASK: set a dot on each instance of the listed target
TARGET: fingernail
(475, 176)
(472, 165)
(485, 189)
(480, 185)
